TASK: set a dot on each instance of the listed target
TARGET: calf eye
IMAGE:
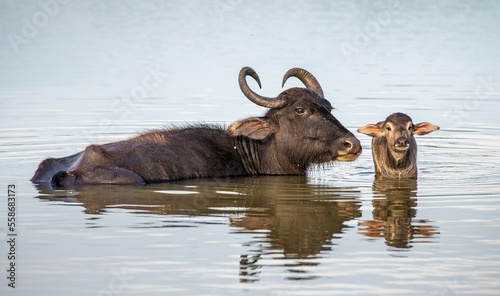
(410, 128)
(388, 128)
(300, 111)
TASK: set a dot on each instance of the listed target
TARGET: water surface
(80, 79)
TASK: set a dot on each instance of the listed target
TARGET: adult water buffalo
(299, 129)
(394, 147)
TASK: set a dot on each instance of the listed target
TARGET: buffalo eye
(300, 111)
(410, 127)
(388, 128)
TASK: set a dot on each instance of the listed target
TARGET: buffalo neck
(261, 157)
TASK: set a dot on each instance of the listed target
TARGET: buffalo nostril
(347, 145)
(351, 145)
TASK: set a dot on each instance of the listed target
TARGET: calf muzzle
(402, 144)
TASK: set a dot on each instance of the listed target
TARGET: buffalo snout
(350, 149)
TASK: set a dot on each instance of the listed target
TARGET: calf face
(394, 147)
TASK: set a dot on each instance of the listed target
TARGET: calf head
(299, 125)
(398, 130)
(393, 144)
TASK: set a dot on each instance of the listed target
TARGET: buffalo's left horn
(307, 78)
(251, 95)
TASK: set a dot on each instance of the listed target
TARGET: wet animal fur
(297, 131)
(394, 147)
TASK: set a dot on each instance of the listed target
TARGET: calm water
(99, 71)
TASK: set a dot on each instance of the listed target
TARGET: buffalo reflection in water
(394, 207)
(290, 217)
(300, 221)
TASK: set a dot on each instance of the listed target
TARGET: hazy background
(73, 73)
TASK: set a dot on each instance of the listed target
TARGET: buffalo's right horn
(307, 78)
(251, 95)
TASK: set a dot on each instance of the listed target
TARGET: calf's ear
(253, 127)
(425, 128)
(371, 130)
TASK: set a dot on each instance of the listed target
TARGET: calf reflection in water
(394, 207)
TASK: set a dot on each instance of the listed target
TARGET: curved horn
(307, 78)
(251, 95)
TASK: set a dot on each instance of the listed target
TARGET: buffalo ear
(253, 127)
(371, 130)
(425, 128)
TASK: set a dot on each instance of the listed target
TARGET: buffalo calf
(394, 147)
